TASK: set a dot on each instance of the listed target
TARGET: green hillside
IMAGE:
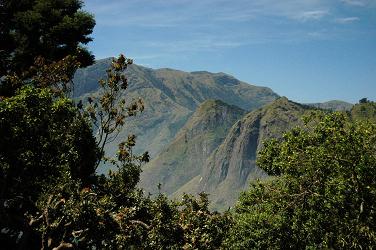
(184, 158)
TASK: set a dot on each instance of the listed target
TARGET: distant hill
(334, 105)
(171, 97)
(185, 157)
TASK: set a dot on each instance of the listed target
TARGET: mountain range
(171, 97)
(203, 130)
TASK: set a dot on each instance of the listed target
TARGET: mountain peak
(171, 97)
(215, 105)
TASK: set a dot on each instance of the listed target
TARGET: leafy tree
(43, 141)
(323, 194)
(107, 111)
(49, 29)
(363, 100)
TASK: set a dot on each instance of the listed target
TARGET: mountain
(231, 166)
(184, 158)
(334, 105)
(171, 97)
(86, 79)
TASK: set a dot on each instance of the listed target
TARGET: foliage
(363, 100)
(50, 194)
(364, 111)
(48, 29)
(108, 110)
(57, 76)
(42, 139)
(203, 229)
(323, 195)
(51, 197)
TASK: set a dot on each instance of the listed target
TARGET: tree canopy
(50, 29)
(323, 192)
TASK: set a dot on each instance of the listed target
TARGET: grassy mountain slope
(171, 97)
(232, 165)
(184, 158)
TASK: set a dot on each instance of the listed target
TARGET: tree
(43, 142)
(363, 100)
(50, 29)
(322, 195)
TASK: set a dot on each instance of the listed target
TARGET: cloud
(346, 20)
(312, 15)
(164, 26)
(168, 13)
(355, 2)
(360, 3)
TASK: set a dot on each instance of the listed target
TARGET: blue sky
(306, 50)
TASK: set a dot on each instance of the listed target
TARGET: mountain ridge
(171, 97)
(232, 165)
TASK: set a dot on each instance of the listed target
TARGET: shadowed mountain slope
(231, 167)
(184, 158)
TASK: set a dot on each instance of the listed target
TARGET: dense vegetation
(50, 29)
(322, 192)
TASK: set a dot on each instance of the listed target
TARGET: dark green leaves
(324, 194)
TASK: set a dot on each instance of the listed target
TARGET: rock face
(170, 97)
(231, 167)
(184, 158)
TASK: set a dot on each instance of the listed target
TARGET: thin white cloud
(312, 15)
(360, 3)
(214, 25)
(346, 20)
(168, 13)
(355, 2)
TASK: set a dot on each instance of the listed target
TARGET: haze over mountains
(202, 129)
